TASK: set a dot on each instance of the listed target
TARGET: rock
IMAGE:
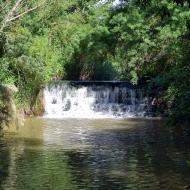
(8, 112)
(8, 89)
(67, 105)
(54, 101)
(11, 88)
(38, 107)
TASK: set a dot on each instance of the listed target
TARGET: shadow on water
(4, 162)
(94, 154)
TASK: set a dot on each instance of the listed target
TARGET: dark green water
(93, 154)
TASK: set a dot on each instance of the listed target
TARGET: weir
(95, 99)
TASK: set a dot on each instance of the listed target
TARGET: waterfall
(94, 100)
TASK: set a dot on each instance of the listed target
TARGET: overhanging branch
(9, 17)
(22, 14)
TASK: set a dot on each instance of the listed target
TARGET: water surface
(73, 154)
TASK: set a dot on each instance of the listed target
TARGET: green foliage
(89, 41)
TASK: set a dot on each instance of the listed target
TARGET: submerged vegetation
(145, 42)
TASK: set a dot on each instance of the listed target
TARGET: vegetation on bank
(146, 42)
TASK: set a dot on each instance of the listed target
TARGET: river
(107, 154)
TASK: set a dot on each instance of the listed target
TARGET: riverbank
(12, 116)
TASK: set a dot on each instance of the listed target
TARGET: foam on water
(94, 101)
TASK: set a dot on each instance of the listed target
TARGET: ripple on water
(94, 154)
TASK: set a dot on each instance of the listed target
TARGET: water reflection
(93, 154)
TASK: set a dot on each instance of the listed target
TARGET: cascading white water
(106, 100)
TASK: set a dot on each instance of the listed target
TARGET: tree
(13, 11)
